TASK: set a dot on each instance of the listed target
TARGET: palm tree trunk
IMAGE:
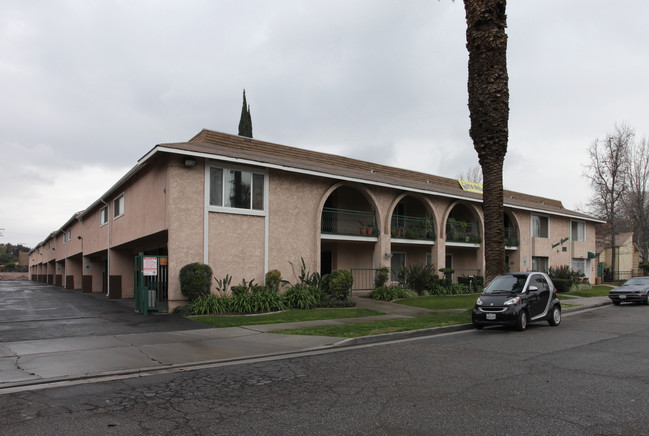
(488, 87)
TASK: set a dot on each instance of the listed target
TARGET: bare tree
(488, 86)
(608, 171)
(473, 175)
(636, 201)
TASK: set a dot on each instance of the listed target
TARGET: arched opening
(349, 230)
(412, 231)
(463, 240)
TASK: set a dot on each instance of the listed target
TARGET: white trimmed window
(236, 188)
(118, 207)
(540, 227)
(103, 216)
(578, 231)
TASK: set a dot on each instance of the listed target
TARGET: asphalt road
(33, 311)
(587, 376)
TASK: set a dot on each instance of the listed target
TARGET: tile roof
(233, 146)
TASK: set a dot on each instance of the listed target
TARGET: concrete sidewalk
(47, 361)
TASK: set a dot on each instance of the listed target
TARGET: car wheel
(646, 299)
(616, 302)
(521, 322)
(555, 316)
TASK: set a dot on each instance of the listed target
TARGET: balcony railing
(461, 231)
(348, 222)
(511, 237)
(409, 227)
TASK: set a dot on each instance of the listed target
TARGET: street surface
(587, 376)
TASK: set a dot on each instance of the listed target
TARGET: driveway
(33, 311)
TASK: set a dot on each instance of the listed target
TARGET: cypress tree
(245, 123)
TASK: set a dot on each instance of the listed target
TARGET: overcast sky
(89, 86)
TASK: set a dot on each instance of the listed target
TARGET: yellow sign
(471, 186)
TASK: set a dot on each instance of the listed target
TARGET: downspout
(107, 252)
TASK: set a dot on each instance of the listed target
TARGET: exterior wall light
(388, 255)
(190, 162)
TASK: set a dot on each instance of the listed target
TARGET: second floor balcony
(348, 222)
(462, 231)
(409, 227)
(511, 237)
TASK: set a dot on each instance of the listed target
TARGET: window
(397, 263)
(540, 263)
(578, 231)
(580, 265)
(103, 216)
(236, 189)
(540, 226)
(118, 206)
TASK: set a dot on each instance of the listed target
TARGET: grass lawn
(441, 302)
(595, 291)
(382, 327)
(281, 317)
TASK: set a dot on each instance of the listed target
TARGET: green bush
(185, 310)
(195, 280)
(239, 290)
(211, 304)
(562, 285)
(382, 276)
(457, 289)
(390, 293)
(474, 283)
(274, 280)
(417, 278)
(340, 282)
(302, 297)
(566, 273)
(258, 302)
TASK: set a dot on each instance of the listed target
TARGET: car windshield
(637, 281)
(506, 283)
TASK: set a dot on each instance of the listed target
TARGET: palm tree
(489, 109)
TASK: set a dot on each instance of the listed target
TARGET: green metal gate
(151, 283)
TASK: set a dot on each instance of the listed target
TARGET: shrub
(390, 293)
(474, 283)
(195, 280)
(185, 310)
(457, 289)
(274, 280)
(562, 285)
(340, 282)
(417, 277)
(263, 301)
(239, 290)
(382, 277)
(223, 285)
(209, 304)
(645, 268)
(565, 272)
(301, 297)
(306, 277)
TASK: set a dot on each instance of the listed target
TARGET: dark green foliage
(239, 290)
(645, 268)
(456, 289)
(211, 304)
(390, 293)
(562, 285)
(340, 282)
(195, 280)
(417, 278)
(245, 122)
(223, 285)
(382, 277)
(258, 302)
(474, 283)
(185, 310)
(566, 276)
(274, 280)
(302, 297)
(306, 277)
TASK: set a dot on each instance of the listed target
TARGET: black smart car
(517, 299)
